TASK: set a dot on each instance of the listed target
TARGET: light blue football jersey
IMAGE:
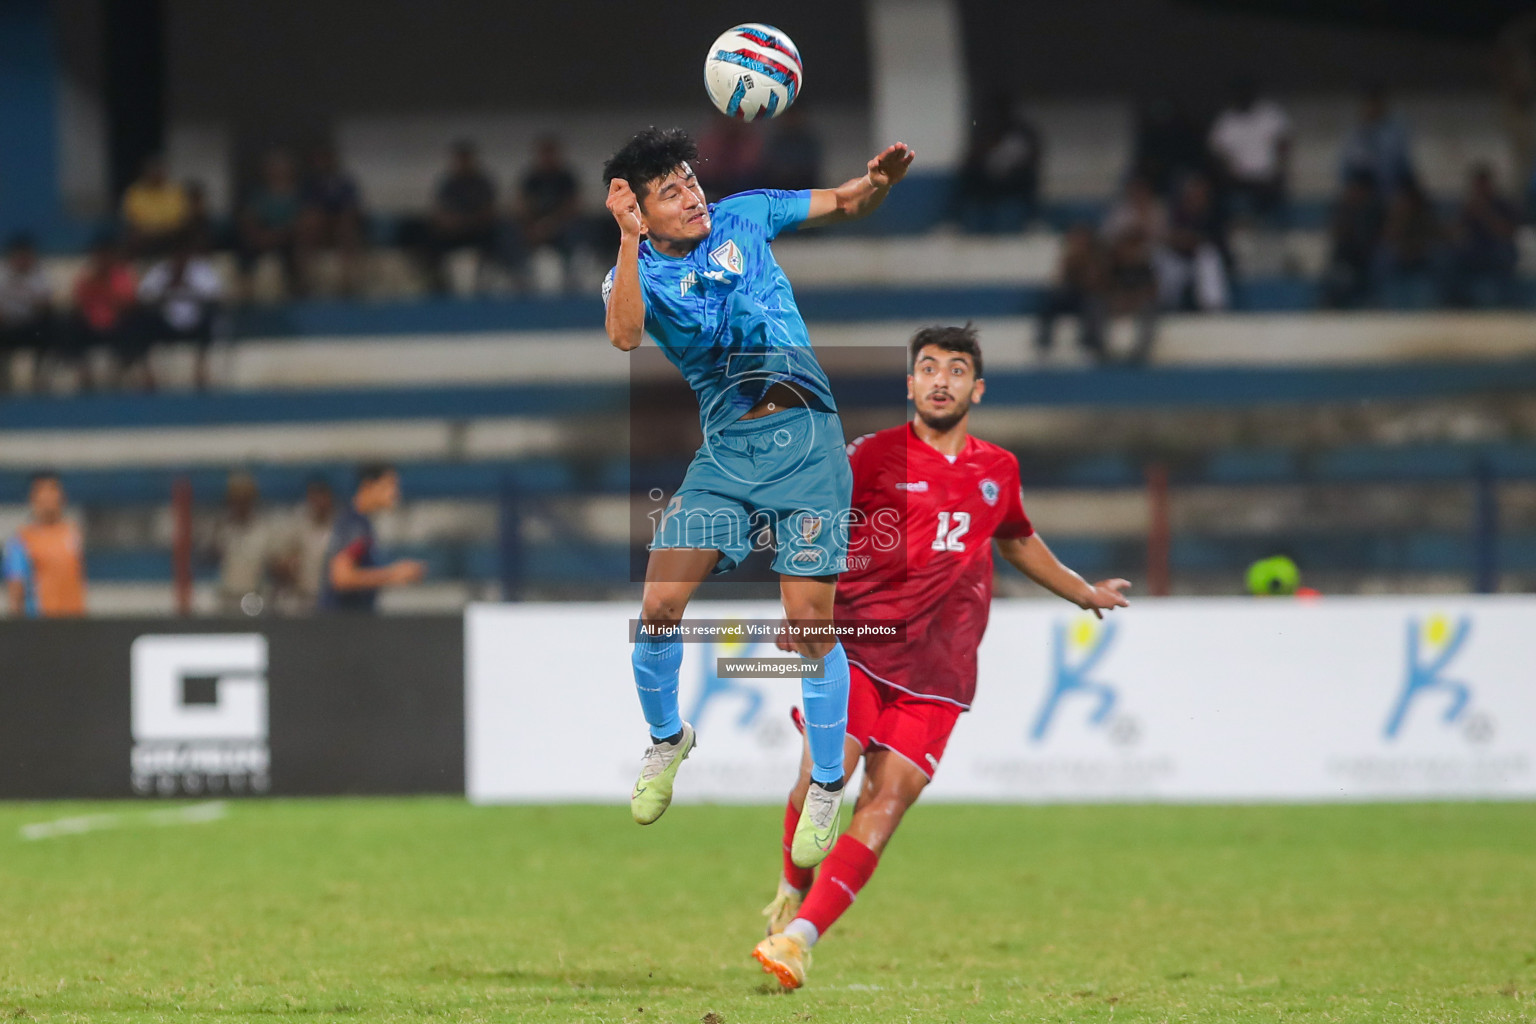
(725, 314)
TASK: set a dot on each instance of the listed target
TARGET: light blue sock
(656, 660)
(826, 715)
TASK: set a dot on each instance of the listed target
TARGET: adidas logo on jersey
(917, 486)
(686, 285)
(729, 257)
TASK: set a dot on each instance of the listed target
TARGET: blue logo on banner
(1432, 646)
(716, 688)
(1075, 653)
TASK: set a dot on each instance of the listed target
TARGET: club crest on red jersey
(990, 491)
(728, 256)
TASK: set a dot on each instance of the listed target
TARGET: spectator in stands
(1193, 260)
(353, 575)
(463, 213)
(154, 210)
(1133, 290)
(26, 309)
(1168, 145)
(794, 153)
(1484, 253)
(1410, 263)
(269, 224)
(1354, 232)
(1251, 143)
(301, 570)
(246, 549)
(200, 229)
(1378, 148)
(44, 563)
(182, 295)
(998, 184)
(546, 213)
(1134, 230)
(332, 216)
(106, 299)
(730, 157)
(1137, 210)
(1081, 289)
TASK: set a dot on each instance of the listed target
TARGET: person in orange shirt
(45, 562)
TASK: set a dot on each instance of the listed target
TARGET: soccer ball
(752, 71)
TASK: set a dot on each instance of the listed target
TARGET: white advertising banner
(1176, 700)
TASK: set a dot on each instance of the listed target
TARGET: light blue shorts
(784, 476)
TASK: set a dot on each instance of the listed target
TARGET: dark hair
(651, 154)
(369, 472)
(41, 475)
(320, 480)
(950, 339)
(19, 241)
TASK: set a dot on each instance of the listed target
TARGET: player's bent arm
(626, 304)
(1034, 559)
(861, 196)
(18, 596)
(346, 574)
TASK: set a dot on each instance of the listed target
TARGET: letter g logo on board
(200, 687)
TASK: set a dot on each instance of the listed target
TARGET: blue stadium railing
(1164, 387)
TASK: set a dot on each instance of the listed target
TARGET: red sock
(842, 875)
(798, 877)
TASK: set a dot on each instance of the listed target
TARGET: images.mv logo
(200, 714)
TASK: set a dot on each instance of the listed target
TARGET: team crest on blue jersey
(990, 491)
(728, 256)
(810, 528)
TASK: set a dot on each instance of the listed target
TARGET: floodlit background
(1314, 215)
(1256, 282)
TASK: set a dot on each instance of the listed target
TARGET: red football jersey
(920, 552)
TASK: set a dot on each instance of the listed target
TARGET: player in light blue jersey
(700, 278)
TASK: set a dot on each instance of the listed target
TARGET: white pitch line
(195, 814)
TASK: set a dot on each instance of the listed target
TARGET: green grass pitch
(415, 910)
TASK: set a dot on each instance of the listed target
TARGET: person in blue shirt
(354, 573)
(701, 280)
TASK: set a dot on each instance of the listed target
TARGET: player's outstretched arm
(861, 196)
(1031, 557)
(626, 304)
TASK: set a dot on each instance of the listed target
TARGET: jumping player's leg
(824, 697)
(808, 603)
(795, 881)
(864, 706)
(671, 577)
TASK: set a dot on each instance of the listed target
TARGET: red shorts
(916, 728)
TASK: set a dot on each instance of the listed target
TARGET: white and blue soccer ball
(753, 71)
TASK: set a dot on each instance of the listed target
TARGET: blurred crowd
(320, 556)
(1165, 243)
(152, 277)
(169, 271)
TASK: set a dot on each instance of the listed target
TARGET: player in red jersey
(930, 502)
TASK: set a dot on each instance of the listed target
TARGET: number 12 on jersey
(952, 526)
